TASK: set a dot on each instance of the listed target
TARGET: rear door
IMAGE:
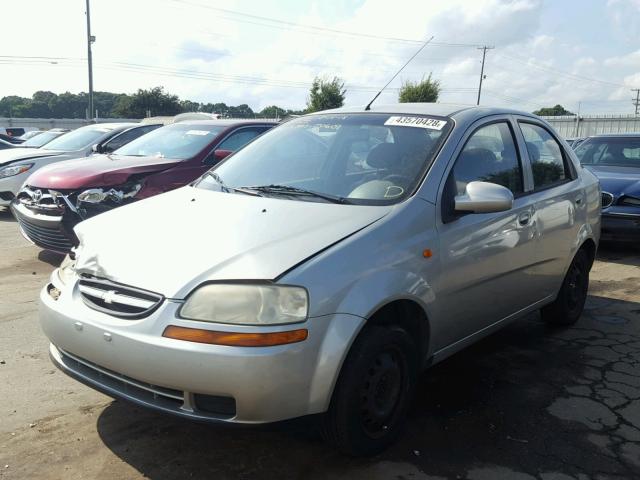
(557, 203)
(485, 257)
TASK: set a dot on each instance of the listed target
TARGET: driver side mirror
(216, 156)
(97, 148)
(484, 197)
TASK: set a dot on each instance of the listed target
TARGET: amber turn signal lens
(427, 253)
(235, 339)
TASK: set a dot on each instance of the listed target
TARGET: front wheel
(567, 308)
(371, 397)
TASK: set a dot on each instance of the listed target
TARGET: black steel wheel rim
(576, 287)
(382, 389)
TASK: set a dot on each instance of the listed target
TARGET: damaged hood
(18, 154)
(172, 242)
(96, 171)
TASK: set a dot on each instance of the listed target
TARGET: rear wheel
(370, 400)
(567, 308)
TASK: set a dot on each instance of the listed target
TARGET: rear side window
(240, 138)
(126, 136)
(547, 160)
(489, 156)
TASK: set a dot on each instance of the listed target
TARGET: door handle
(578, 200)
(524, 218)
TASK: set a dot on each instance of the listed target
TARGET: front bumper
(44, 231)
(620, 227)
(130, 359)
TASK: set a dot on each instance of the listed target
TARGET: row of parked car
(321, 265)
(99, 167)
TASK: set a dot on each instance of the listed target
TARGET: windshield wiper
(295, 191)
(227, 189)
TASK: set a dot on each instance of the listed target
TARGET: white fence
(571, 126)
(47, 123)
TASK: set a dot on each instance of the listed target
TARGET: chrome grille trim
(117, 299)
(606, 199)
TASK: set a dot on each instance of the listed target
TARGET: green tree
(425, 91)
(189, 106)
(325, 94)
(553, 111)
(144, 102)
(273, 111)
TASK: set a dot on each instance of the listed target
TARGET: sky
(583, 54)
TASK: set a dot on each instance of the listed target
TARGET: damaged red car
(55, 198)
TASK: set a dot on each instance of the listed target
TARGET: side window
(239, 138)
(488, 156)
(126, 137)
(547, 160)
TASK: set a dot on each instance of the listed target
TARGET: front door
(485, 258)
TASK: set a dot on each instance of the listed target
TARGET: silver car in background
(321, 267)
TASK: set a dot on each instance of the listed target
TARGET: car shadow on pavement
(6, 215)
(52, 258)
(526, 401)
(621, 253)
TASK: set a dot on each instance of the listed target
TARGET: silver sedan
(321, 267)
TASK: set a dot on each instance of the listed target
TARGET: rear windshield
(79, 139)
(179, 141)
(365, 158)
(615, 151)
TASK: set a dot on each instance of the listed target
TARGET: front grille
(167, 399)
(47, 238)
(117, 299)
(607, 199)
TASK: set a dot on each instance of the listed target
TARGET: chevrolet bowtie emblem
(109, 296)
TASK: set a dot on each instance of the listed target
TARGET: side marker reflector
(235, 339)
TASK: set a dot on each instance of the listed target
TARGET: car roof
(228, 122)
(453, 110)
(615, 135)
(113, 126)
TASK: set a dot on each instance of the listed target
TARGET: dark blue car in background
(615, 160)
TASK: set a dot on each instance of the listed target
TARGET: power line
(283, 24)
(559, 72)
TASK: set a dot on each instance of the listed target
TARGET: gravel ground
(528, 402)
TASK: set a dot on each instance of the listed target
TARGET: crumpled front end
(47, 216)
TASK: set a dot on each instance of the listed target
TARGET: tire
(373, 391)
(567, 308)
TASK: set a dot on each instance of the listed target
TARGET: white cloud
(203, 54)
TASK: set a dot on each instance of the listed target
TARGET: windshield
(616, 151)
(40, 139)
(79, 139)
(362, 158)
(179, 141)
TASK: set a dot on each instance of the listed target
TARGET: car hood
(617, 180)
(172, 242)
(17, 154)
(96, 171)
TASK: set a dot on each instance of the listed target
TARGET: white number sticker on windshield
(419, 122)
(198, 132)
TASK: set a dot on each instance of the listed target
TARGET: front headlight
(99, 195)
(66, 270)
(243, 304)
(14, 170)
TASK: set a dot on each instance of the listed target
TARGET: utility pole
(484, 54)
(636, 101)
(90, 40)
